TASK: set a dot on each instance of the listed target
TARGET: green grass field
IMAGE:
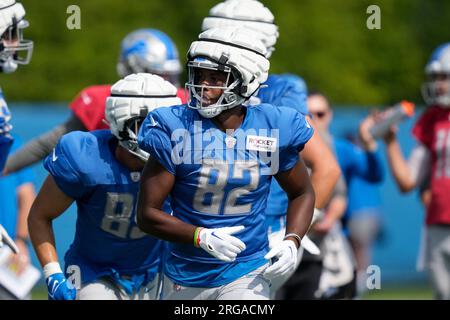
(388, 293)
(400, 293)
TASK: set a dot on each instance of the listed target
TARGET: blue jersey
(356, 162)
(8, 189)
(6, 139)
(362, 171)
(222, 180)
(107, 239)
(286, 90)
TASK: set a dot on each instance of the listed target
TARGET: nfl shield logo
(135, 176)
(230, 142)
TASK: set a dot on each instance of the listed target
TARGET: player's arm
(156, 185)
(25, 198)
(325, 171)
(297, 185)
(335, 209)
(38, 148)
(50, 203)
(411, 173)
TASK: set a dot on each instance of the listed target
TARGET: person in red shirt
(142, 51)
(431, 158)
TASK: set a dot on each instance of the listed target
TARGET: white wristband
(51, 268)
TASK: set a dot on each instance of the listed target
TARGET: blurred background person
(431, 154)
(362, 221)
(18, 194)
(332, 274)
(142, 51)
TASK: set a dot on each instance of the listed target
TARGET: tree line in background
(326, 42)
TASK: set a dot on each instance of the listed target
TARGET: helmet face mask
(129, 136)
(436, 90)
(201, 100)
(15, 50)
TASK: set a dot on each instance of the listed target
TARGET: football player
(216, 159)
(143, 50)
(14, 50)
(280, 90)
(431, 157)
(110, 257)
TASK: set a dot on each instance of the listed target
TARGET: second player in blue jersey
(110, 258)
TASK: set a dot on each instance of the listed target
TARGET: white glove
(6, 239)
(286, 253)
(220, 244)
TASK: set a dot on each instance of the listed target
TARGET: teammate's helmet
(250, 14)
(14, 50)
(235, 52)
(130, 101)
(436, 90)
(149, 51)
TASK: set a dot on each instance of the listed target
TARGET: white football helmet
(149, 51)
(130, 101)
(14, 50)
(436, 90)
(250, 14)
(233, 51)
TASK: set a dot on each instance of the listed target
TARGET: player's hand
(59, 288)
(220, 243)
(391, 136)
(286, 254)
(20, 260)
(6, 239)
(324, 226)
(368, 142)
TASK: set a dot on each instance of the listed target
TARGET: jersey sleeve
(61, 164)
(300, 133)
(89, 107)
(423, 129)
(154, 138)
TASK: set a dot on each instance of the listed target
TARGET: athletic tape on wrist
(51, 268)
